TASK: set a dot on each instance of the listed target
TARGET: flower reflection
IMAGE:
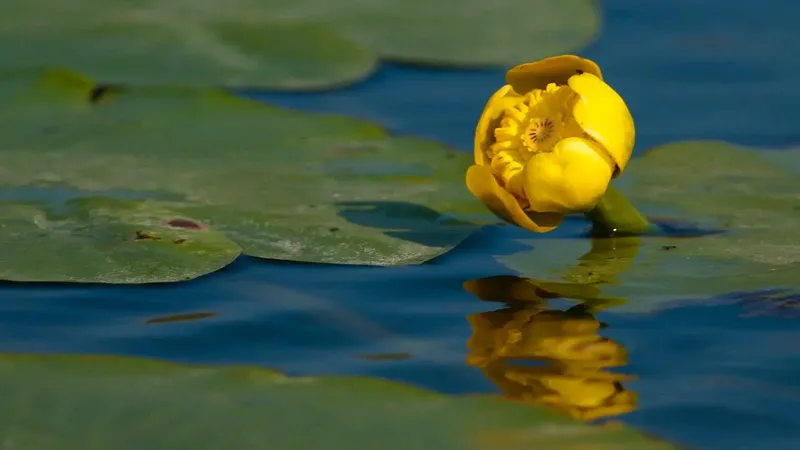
(552, 358)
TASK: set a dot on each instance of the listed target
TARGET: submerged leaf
(281, 184)
(750, 196)
(93, 403)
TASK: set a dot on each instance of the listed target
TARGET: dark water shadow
(496, 240)
(408, 221)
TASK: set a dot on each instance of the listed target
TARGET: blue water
(720, 374)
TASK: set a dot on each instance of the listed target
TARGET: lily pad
(444, 32)
(456, 32)
(126, 241)
(123, 42)
(93, 402)
(281, 184)
(750, 196)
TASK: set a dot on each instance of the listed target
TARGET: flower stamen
(538, 131)
(532, 125)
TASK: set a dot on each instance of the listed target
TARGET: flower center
(532, 125)
(538, 131)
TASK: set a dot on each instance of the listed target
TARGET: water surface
(719, 373)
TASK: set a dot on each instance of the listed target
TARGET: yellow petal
(619, 404)
(579, 391)
(603, 115)
(490, 119)
(485, 188)
(571, 178)
(557, 69)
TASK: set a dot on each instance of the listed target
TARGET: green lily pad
(750, 196)
(123, 42)
(93, 402)
(281, 184)
(454, 32)
(124, 241)
(283, 44)
(457, 32)
(445, 32)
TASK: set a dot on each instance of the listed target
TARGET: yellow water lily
(549, 142)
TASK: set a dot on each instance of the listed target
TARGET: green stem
(615, 215)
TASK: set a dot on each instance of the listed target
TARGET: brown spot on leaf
(178, 241)
(146, 235)
(186, 224)
(668, 247)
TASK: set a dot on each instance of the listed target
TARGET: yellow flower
(549, 142)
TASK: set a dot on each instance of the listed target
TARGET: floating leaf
(750, 196)
(444, 32)
(93, 403)
(454, 32)
(104, 239)
(281, 184)
(122, 42)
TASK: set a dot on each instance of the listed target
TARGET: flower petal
(484, 187)
(569, 179)
(490, 119)
(603, 115)
(557, 69)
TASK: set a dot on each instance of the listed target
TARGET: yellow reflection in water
(551, 357)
